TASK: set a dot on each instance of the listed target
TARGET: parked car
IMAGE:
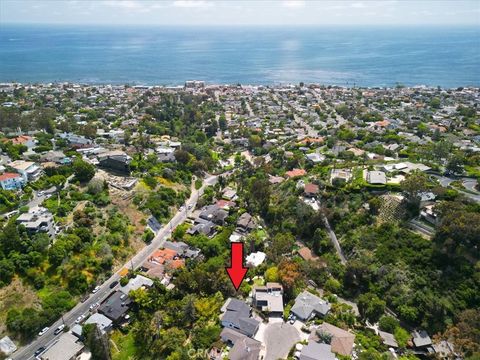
(80, 319)
(96, 289)
(40, 350)
(113, 284)
(85, 298)
(44, 330)
(59, 329)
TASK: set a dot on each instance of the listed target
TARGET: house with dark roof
(214, 214)
(183, 250)
(421, 340)
(115, 307)
(115, 160)
(307, 306)
(236, 315)
(246, 223)
(202, 226)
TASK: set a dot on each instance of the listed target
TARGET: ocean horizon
(269, 55)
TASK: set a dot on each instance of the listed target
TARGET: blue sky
(253, 12)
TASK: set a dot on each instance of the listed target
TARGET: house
(310, 190)
(269, 298)
(255, 259)
(388, 339)
(28, 169)
(136, 283)
(341, 341)
(225, 204)
(241, 346)
(246, 223)
(229, 194)
(235, 237)
(7, 346)
(236, 315)
(56, 157)
(275, 179)
(308, 306)
(213, 213)
(428, 214)
(67, 347)
(102, 322)
(295, 173)
(445, 350)
(11, 181)
(306, 254)
(115, 160)
(376, 178)
(344, 175)
(421, 340)
(405, 167)
(76, 141)
(202, 226)
(153, 269)
(25, 140)
(183, 250)
(317, 351)
(38, 219)
(315, 158)
(169, 258)
(115, 307)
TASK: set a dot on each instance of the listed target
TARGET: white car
(44, 330)
(96, 289)
(80, 319)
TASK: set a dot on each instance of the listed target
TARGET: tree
(435, 103)
(83, 171)
(182, 156)
(271, 275)
(388, 324)
(371, 307)
(97, 342)
(402, 336)
(255, 141)
(258, 196)
(282, 244)
(289, 274)
(465, 333)
(455, 165)
(222, 122)
(414, 184)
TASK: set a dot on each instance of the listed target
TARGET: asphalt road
(279, 339)
(49, 338)
(467, 182)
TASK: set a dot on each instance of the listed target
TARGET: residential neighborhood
(357, 209)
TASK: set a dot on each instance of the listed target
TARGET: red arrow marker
(236, 271)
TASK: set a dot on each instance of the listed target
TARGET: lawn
(123, 346)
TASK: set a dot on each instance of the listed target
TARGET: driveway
(279, 338)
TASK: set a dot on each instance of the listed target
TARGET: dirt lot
(123, 200)
(15, 295)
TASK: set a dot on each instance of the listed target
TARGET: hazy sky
(253, 12)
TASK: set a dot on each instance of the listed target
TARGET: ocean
(346, 56)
